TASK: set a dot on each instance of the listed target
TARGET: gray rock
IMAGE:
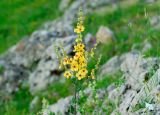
(97, 3)
(146, 46)
(104, 35)
(135, 68)
(114, 94)
(111, 87)
(127, 99)
(64, 4)
(111, 66)
(34, 103)
(155, 22)
(61, 107)
(150, 1)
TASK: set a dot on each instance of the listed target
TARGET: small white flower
(149, 106)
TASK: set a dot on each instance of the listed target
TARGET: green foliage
(15, 105)
(22, 17)
(138, 106)
(108, 79)
(1, 69)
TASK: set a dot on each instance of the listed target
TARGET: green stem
(75, 96)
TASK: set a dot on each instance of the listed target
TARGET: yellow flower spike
(78, 63)
(67, 74)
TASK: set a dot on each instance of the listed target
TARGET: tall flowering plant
(76, 66)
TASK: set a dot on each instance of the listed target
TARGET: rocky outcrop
(141, 78)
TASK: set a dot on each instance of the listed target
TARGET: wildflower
(83, 64)
(67, 74)
(92, 74)
(77, 64)
(83, 71)
(79, 29)
(79, 47)
(70, 60)
(77, 55)
(74, 66)
(82, 59)
(78, 40)
(79, 76)
(65, 61)
(150, 107)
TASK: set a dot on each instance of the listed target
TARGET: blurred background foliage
(21, 17)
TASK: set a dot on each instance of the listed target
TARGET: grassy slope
(126, 36)
(22, 17)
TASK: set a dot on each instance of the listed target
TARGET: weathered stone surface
(111, 87)
(146, 46)
(135, 68)
(64, 4)
(155, 22)
(111, 66)
(104, 35)
(61, 106)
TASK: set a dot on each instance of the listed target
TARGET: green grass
(21, 17)
(126, 35)
(18, 104)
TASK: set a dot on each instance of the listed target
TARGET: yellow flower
(81, 46)
(82, 59)
(77, 55)
(82, 62)
(79, 76)
(70, 60)
(83, 71)
(79, 29)
(74, 66)
(65, 61)
(67, 74)
(75, 48)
